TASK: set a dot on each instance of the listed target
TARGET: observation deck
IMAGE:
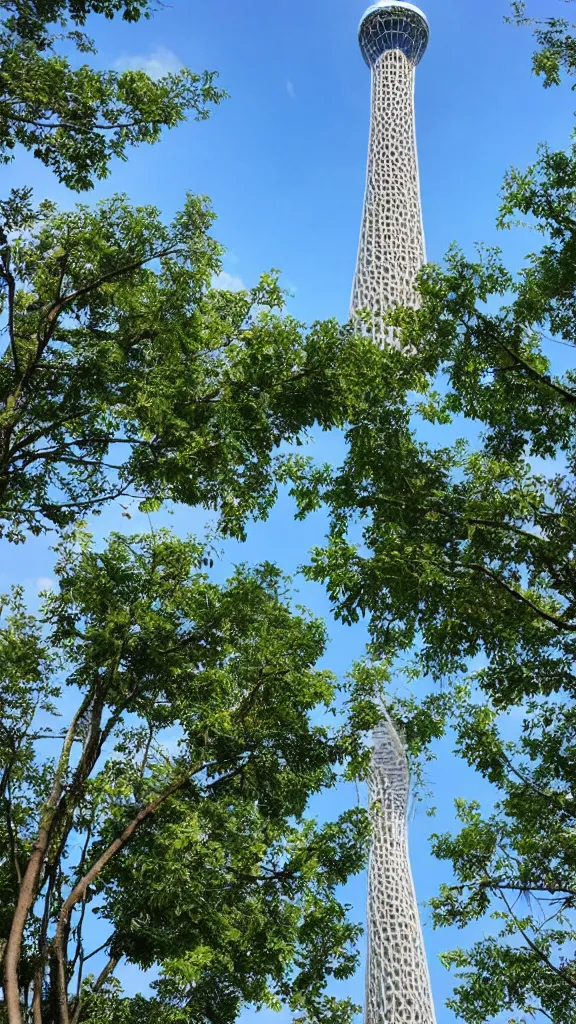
(393, 25)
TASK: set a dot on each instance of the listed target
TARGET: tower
(393, 37)
(398, 987)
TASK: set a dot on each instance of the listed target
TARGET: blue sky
(284, 163)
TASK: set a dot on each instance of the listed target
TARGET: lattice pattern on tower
(393, 36)
(397, 980)
(391, 248)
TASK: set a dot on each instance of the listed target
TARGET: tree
(463, 555)
(161, 734)
(176, 717)
(125, 372)
(118, 343)
(75, 119)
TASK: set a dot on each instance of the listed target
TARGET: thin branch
(29, 439)
(79, 890)
(536, 949)
(28, 889)
(499, 883)
(12, 836)
(78, 954)
(127, 268)
(105, 973)
(99, 948)
(146, 754)
(11, 289)
(519, 596)
(61, 304)
(73, 127)
(542, 378)
(547, 795)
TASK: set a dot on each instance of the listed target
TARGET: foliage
(75, 119)
(171, 802)
(452, 525)
(127, 373)
(161, 737)
(197, 854)
(556, 43)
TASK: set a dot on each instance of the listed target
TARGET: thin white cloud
(44, 583)
(157, 64)
(290, 89)
(228, 282)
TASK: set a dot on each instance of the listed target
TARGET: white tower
(393, 37)
(398, 989)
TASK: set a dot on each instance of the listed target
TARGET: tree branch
(542, 378)
(79, 890)
(518, 596)
(127, 268)
(73, 127)
(28, 889)
(8, 276)
(536, 949)
(61, 304)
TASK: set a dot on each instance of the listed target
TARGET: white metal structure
(398, 989)
(393, 37)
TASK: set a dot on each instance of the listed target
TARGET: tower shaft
(393, 36)
(391, 249)
(398, 987)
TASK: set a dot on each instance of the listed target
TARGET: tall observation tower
(393, 37)
(398, 987)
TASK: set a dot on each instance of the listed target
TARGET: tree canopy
(202, 861)
(162, 734)
(118, 343)
(174, 808)
(75, 119)
(126, 372)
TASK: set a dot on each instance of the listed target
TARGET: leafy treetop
(191, 726)
(76, 119)
(126, 372)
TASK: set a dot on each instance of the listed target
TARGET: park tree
(75, 119)
(162, 734)
(201, 861)
(462, 553)
(157, 753)
(126, 372)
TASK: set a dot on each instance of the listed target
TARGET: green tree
(170, 801)
(463, 555)
(75, 119)
(125, 372)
